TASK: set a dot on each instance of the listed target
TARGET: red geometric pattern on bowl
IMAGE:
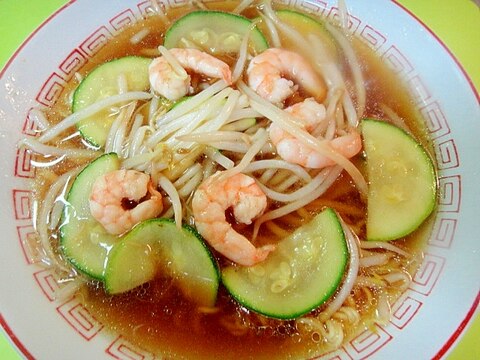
(96, 41)
(22, 204)
(72, 63)
(419, 90)
(435, 120)
(368, 342)
(443, 232)
(353, 23)
(51, 90)
(319, 7)
(372, 37)
(450, 190)
(447, 155)
(339, 354)
(48, 281)
(404, 310)
(23, 165)
(122, 349)
(397, 61)
(125, 18)
(29, 243)
(80, 318)
(145, 8)
(427, 275)
(30, 127)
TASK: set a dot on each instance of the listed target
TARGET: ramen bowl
(428, 317)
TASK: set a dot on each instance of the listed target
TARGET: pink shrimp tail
(261, 254)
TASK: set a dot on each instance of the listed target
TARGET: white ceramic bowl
(426, 319)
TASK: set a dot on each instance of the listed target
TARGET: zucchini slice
(305, 25)
(84, 241)
(301, 274)
(402, 182)
(159, 245)
(215, 32)
(101, 83)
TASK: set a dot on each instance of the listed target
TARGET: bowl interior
(444, 290)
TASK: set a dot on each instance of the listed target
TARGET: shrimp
(170, 83)
(311, 113)
(210, 201)
(122, 198)
(269, 73)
